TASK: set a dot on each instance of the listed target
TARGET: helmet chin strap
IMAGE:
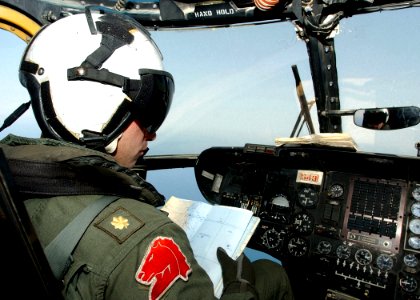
(94, 140)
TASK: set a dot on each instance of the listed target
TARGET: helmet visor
(154, 98)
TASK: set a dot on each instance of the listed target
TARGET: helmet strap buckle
(93, 140)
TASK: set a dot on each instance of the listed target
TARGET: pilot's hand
(238, 275)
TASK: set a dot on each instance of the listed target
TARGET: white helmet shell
(66, 107)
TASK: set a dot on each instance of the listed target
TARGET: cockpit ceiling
(172, 14)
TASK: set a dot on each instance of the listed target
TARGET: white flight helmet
(89, 75)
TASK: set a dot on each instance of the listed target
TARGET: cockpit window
(377, 63)
(233, 86)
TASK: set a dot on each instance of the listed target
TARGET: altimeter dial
(307, 197)
(303, 223)
(272, 238)
(297, 246)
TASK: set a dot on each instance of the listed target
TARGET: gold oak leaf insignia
(119, 222)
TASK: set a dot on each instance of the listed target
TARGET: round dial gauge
(343, 251)
(384, 262)
(414, 226)
(363, 256)
(410, 260)
(416, 193)
(324, 247)
(272, 238)
(307, 197)
(408, 284)
(335, 191)
(414, 242)
(297, 246)
(415, 209)
(303, 223)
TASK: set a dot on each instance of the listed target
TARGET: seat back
(26, 272)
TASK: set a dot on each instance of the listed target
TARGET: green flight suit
(116, 247)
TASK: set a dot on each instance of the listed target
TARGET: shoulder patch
(162, 264)
(119, 224)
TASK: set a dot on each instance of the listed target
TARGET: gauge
(307, 197)
(414, 242)
(335, 191)
(343, 251)
(324, 247)
(297, 246)
(279, 204)
(272, 238)
(363, 256)
(416, 193)
(414, 226)
(415, 209)
(408, 284)
(280, 201)
(303, 223)
(410, 260)
(384, 262)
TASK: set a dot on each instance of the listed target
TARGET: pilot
(376, 119)
(99, 94)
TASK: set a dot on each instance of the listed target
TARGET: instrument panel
(345, 224)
